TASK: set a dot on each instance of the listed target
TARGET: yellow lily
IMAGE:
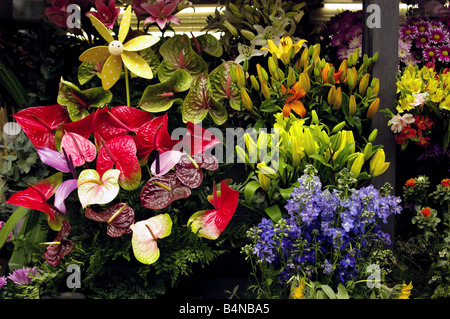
(357, 165)
(377, 164)
(283, 50)
(117, 52)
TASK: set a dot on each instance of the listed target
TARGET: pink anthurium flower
(106, 14)
(79, 148)
(161, 13)
(36, 197)
(120, 152)
(95, 190)
(165, 162)
(119, 217)
(145, 236)
(160, 191)
(211, 223)
(60, 247)
(39, 122)
(199, 139)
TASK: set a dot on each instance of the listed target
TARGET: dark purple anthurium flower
(189, 169)
(60, 247)
(119, 217)
(160, 191)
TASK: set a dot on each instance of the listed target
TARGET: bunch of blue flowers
(328, 235)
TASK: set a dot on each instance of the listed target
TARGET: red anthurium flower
(60, 247)
(106, 14)
(36, 197)
(121, 153)
(153, 135)
(211, 223)
(199, 139)
(39, 122)
(189, 169)
(119, 217)
(160, 191)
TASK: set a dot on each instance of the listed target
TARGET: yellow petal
(136, 64)
(140, 43)
(104, 31)
(125, 24)
(95, 54)
(111, 71)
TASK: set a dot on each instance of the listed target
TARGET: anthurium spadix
(145, 236)
(211, 223)
(60, 247)
(79, 148)
(93, 189)
(36, 197)
(117, 52)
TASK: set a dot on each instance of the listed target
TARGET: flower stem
(127, 86)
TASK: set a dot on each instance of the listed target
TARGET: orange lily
(293, 101)
(335, 75)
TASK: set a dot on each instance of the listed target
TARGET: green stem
(127, 85)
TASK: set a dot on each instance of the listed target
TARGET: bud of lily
(378, 165)
(316, 50)
(273, 67)
(352, 105)
(352, 75)
(336, 141)
(331, 95)
(254, 82)
(291, 77)
(310, 143)
(373, 135)
(338, 127)
(355, 56)
(233, 74)
(343, 67)
(314, 117)
(338, 99)
(241, 155)
(367, 151)
(252, 149)
(303, 61)
(305, 81)
(349, 140)
(262, 73)
(231, 28)
(234, 9)
(375, 86)
(375, 57)
(246, 101)
(265, 90)
(240, 76)
(297, 151)
(248, 34)
(363, 84)
(264, 175)
(245, 65)
(373, 108)
(357, 165)
(330, 76)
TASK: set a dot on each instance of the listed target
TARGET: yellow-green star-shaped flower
(117, 52)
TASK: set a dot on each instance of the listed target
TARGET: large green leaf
(177, 54)
(199, 102)
(86, 71)
(7, 228)
(222, 87)
(160, 97)
(77, 101)
(250, 189)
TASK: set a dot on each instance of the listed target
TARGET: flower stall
(265, 149)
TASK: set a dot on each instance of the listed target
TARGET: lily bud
(352, 105)
(343, 67)
(303, 59)
(373, 135)
(378, 165)
(305, 81)
(233, 75)
(331, 95)
(231, 28)
(314, 117)
(234, 9)
(265, 90)
(241, 155)
(262, 73)
(338, 127)
(338, 99)
(330, 76)
(357, 165)
(291, 77)
(310, 143)
(363, 84)
(336, 141)
(375, 86)
(367, 151)
(316, 50)
(373, 108)
(254, 82)
(246, 101)
(352, 75)
(248, 34)
(240, 76)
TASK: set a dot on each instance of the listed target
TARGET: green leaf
(160, 97)
(7, 228)
(250, 189)
(274, 212)
(222, 87)
(342, 292)
(210, 44)
(177, 54)
(321, 159)
(286, 192)
(199, 102)
(77, 101)
(328, 291)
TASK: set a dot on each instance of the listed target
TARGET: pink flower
(437, 36)
(420, 99)
(429, 54)
(408, 31)
(161, 13)
(57, 12)
(422, 40)
(138, 9)
(398, 122)
(20, 276)
(106, 14)
(443, 54)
